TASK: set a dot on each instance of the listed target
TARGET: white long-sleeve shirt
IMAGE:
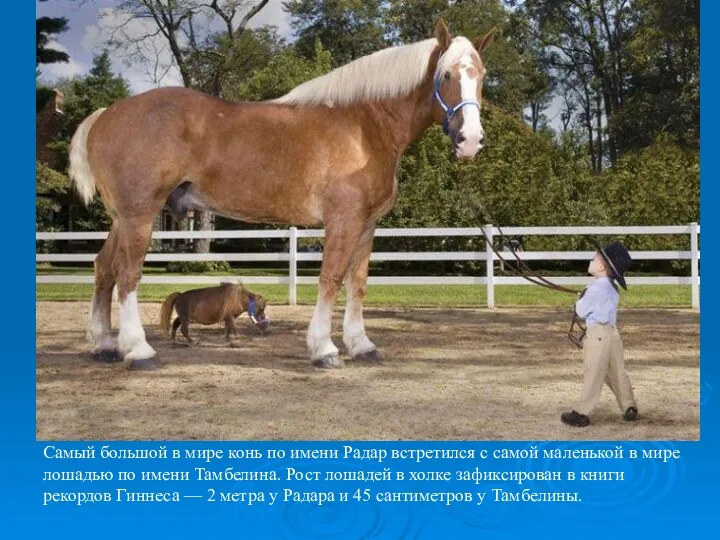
(599, 303)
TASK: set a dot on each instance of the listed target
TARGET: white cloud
(60, 70)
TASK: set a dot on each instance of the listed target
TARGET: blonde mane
(385, 74)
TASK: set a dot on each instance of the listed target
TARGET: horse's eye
(447, 75)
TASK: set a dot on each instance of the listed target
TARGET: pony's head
(458, 80)
(256, 310)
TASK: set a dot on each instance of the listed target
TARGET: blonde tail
(166, 313)
(80, 173)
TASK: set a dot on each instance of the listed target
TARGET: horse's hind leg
(133, 241)
(100, 327)
(358, 345)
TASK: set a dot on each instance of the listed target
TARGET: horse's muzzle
(468, 148)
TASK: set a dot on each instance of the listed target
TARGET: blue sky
(89, 22)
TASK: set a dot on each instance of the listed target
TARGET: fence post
(292, 287)
(694, 266)
(489, 266)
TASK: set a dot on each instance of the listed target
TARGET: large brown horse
(326, 153)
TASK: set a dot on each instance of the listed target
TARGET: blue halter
(251, 308)
(451, 111)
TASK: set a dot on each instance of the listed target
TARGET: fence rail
(292, 256)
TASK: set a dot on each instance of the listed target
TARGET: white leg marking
(97, 334)
(354, 335)
(132, 336)
(318, 337)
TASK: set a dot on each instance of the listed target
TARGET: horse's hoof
(105, 356)
(331, 361)
(371, 356)
(143, 364)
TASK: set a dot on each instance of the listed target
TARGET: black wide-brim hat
(617, 259)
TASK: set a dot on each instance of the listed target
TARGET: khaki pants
(604, 362)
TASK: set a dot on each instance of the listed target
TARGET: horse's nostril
(460, 139)
(482, 140)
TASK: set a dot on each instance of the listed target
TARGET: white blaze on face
(471, 133)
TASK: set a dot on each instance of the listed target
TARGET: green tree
(50, 186)
(663, 94)
(46, 28)
(284, 72)
(349, 29)
(253, 50)
(83, 95)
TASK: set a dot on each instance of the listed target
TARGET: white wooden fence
(292, 256)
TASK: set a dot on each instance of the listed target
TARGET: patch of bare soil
(456, 374)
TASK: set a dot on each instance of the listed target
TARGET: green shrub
(198, 267)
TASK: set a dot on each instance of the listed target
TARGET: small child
(603, 348)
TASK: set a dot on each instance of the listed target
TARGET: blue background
(655, 499)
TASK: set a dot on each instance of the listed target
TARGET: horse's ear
(442, 34)
(484, 42)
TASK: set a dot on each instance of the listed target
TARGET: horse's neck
(404, 119)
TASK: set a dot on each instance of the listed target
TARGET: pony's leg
(133, 241)
(175, 326)
(185, 329)
(341, 237)
(99, 326)
(230, 329)
(358, 345)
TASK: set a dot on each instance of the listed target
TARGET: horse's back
(206, 306)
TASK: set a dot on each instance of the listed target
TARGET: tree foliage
(46, 28)
(349, 29)
(83, 95)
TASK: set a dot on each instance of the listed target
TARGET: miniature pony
(212, 305)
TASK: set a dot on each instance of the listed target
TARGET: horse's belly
(264, 205)
(205, 317)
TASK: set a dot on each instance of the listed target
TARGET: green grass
(438, 296)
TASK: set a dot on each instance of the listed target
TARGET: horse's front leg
(358, 345)
(134, 239)
(341, 237)
(230, 329)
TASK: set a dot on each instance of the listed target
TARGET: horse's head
(256, 311)
(459, 78)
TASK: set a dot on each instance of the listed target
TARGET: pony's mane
(385, 74)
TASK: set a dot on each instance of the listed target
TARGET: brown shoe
(574, 418)
(630, 415)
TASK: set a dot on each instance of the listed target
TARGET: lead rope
(534, 278)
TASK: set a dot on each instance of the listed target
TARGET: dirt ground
(456, 374)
